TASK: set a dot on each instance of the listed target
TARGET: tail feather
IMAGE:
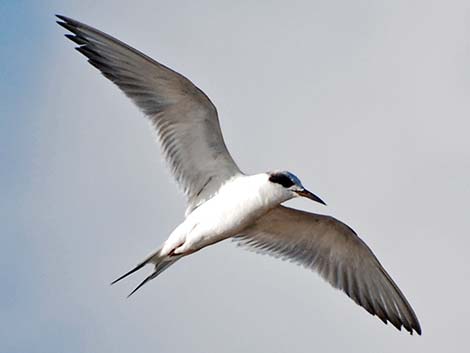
(141, 284)
(138, 267)
(161, 264)
(159, 268)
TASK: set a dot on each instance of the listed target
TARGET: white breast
(238, 204)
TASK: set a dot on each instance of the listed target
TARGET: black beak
(309, 195)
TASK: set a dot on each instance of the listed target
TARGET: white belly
(237, 205)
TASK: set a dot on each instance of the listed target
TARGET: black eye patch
(282, 179)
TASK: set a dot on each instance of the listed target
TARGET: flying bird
(222, 201)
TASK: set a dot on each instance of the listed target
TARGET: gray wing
(185, 119)
(334, 250)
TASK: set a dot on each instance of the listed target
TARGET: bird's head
(291, 185)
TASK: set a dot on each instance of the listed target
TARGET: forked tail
(161, 262)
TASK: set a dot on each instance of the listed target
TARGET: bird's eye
(282, 179)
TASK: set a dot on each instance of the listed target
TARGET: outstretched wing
(334, 250)
(185, 119)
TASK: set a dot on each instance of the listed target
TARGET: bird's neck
(269, 194)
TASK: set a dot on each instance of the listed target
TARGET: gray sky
(366, 101)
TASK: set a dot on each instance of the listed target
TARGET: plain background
(366, 101)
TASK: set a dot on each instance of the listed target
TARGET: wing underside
(184, 118)
(332, 249)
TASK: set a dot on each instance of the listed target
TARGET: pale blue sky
(367, 102)
(22, 38)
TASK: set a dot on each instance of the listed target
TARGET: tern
(222, 201)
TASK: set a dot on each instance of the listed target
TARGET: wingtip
(66, 19)
(62, 20)
(67, 26)
(69, 23)
(411, 330)
(414, 328)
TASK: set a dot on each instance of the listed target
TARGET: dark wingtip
(69, 23)
(76, 39)
(67, 26)
(414, 328)
(67, 19)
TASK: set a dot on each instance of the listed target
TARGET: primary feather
(185, 119)
(334, 250)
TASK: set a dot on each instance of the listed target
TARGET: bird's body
(239, 202)
(225, 203)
